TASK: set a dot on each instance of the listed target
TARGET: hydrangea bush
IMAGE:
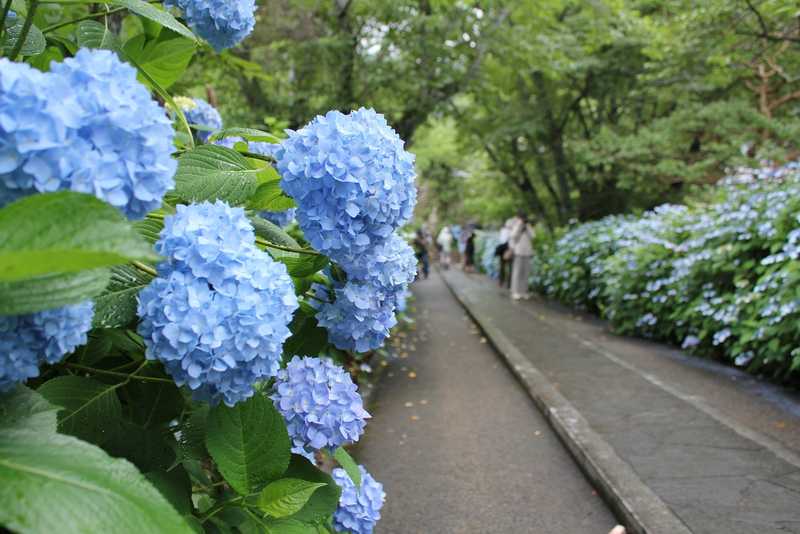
(716, 277)
(155, 318)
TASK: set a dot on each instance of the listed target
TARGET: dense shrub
(718, 277)
(163, 339)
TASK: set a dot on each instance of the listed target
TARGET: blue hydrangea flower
(391, 265)
(352, 180)
(223, 23)
(360, 318)
(218, 313)
(206, 116)
(280, 218)
(87, 126)
(359, 509)
(27, 341)
(402, 300)
(320, 403)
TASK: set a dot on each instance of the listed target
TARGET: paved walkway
(460, 447)
(721, 449)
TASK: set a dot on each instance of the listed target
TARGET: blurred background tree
(565, 108)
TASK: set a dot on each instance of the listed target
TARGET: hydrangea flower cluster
(359, 508)
(280, 218)
(223, 23)
(360, 318)
(362, 313)
(198, 112)
(352, 180)
(218, 313)
(320, 403)
(27, 341)
(87, 125)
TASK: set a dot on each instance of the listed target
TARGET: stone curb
(634, 503)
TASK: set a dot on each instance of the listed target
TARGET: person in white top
(521, 243)
(504, 253)
(445, 242)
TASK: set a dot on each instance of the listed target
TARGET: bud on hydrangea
(352, 180)
(218, 313)
(87, 125)
(200, 113)
(360, 318)
(223, 23)
(320, 403)
(281, 219)
(359, 509)
(27, 341)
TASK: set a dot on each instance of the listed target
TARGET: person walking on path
(504, 254)
(469, 252)
(445, 241)
(521, 243)
(420, 246)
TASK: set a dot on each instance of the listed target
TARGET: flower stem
(262, 157)
(127, 376)
(144, 268)
(90, 16)
(219, 507)
(26, 27)
(267, 244)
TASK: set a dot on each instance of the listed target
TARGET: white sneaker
(516, 296)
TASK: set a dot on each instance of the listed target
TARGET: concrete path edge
(634, 503)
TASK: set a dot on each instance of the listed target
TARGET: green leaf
(249, 442)
(250, 134)
(55, 483)
(272, 232)
(150, 229)
(270, 197)
(175, 486)
(25, 408)
(308, 338)
(116, 306)
(349, 465)
(292, 526)
(286, 496)
(91, 410)
(299, 265)
(151, 12)
(65, 232)
(152, 403)
(93, 34)
(324, 501)
(191, 443)
(149, 449)
(51, 291)
(42, 61)
(34, 44)
(211, 172)
(164, 60)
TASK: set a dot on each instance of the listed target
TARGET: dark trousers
(505, 273)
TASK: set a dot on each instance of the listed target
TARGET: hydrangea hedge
(170, 357)
(718, 277)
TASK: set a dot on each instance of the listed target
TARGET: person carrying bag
(521, 245)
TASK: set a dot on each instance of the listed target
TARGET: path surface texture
(719, 448)
(458, 444)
